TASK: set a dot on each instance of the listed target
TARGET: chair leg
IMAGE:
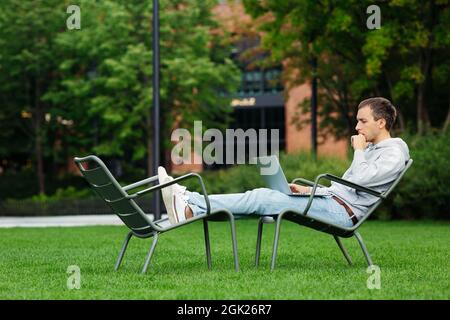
(234, 240)
(122, 251)
(275, 241)
(363, 248)
(341, 246)
(207, 243)
(258, 241)
(150, 253)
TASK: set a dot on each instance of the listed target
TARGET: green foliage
(90, 90)
(18, 185)
(401, 61)
(64, 193)
(22, 185)
(27, 68)
(112, 89)
(424, 192)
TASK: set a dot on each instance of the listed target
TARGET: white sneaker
(173, 197)
(162, 176)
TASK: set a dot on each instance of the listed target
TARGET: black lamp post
(156, 116)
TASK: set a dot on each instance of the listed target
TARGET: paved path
(60, 221)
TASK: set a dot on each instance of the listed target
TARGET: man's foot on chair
(174, 199)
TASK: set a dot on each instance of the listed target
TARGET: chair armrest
(338, 180)
(306, 182)
(163, 185)
(349, 184)
(140, 183)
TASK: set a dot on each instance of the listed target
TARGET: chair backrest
(385, 194)
(105, 185)
(335, 229)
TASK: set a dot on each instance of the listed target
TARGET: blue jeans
(264, 201)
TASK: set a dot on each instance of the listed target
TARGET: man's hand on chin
(359, 142)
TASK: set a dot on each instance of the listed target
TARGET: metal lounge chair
(122, 203)
(335, 230)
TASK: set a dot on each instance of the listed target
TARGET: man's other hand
(299, 189)
(359, 142)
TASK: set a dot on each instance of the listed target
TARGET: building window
(255, 118)
(258, 82)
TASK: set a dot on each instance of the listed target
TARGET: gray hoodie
(376, 167)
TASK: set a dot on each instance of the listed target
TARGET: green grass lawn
(413, 257)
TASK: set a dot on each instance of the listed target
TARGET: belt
(347, 208)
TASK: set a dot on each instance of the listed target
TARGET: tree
(401, 60)
(27, 64)
(69, 92)
(413, 57)
(120, 96)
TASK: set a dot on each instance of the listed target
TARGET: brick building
(261, 102)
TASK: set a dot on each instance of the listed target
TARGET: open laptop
(273, 175)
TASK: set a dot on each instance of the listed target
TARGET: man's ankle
(188, 212)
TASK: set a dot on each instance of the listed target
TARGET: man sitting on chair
(377, 161)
